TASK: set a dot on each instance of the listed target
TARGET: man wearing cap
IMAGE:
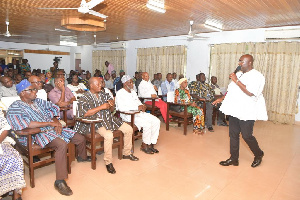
(40, 115)
(126, 100)
(94, 104)
(147, 90)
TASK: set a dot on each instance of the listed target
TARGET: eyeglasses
(31, 90)
(37, 82)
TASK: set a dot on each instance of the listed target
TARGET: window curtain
(278, 62)
(162, 59)
(115, 57)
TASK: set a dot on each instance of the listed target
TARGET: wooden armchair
(69, 122)
(136, 133)
(154, 110)
(184, 117)
(35, 150)
(93, 139)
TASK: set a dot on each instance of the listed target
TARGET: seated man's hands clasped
(142, 108)
(57, 126)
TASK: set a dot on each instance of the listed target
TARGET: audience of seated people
(40, 115)
(96, 101)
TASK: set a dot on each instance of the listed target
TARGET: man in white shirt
(37, 83)
(167, 86)
(244, 103)
(108, 83)
(147, 90)
(127, 100)
(8, 89)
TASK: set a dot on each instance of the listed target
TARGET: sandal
(147, 150)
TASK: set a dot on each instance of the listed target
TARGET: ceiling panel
(131, 19)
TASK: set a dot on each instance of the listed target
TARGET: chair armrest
(131, 112)
(148, 98)
(65, 108)
(28, 131)
(180, 104)
(88, 121)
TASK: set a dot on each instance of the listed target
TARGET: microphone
(237, 69)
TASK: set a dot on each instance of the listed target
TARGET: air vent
(284, 34)
(118, 45)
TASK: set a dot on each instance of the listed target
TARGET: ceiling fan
(7, 33)
(192, 33)
(85, 8)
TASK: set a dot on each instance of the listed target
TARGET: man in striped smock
(31, 112)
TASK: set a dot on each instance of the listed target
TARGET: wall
(42, 61)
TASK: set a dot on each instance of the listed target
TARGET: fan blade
(93, 3)
(58, 8)
(97, 14)
(20, 36)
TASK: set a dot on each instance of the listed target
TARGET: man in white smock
(127, 100)
(244, 103)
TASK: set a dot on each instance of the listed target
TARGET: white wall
(42, 61)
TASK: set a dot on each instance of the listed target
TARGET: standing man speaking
(244, 103)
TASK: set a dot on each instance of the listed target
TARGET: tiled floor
(187, 168)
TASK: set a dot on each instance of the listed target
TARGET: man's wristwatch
(237, 81)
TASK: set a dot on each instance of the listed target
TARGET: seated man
(8, 89)
(126, 100)
(30, 112)
(97, 104)
(167, 86)
(147, 90)
(201, 90)
(37, 83)
(62, 96)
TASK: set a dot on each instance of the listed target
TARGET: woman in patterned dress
(11, 163)
(182, 95)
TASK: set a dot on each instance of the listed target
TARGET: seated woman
(77, 88)
(48, 76)
(182, 95)
(11, 164)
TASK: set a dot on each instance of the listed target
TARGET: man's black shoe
(223, 124)
(257, 160)
(63, 188)
(88, 159)
(110, 168)
(210, 129)
(229, 162)
(131, 157)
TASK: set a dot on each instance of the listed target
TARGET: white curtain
(162, 59)
(278, 62)
(115, 57)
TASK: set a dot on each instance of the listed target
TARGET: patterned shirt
(89, 101)
(203, 90)
(20, 114)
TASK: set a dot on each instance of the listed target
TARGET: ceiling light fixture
(156, 5)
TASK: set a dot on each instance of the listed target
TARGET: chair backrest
(7, 101)
(75, 106)
(159, 92)
(170, 97)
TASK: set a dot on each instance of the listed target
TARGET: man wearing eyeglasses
(37, 83)
(40, 117)
(8, 89)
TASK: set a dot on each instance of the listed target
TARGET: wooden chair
(69, 122)
(35, 150)
(95, 139)
(184, 117)
(154, 110)
(136, 133)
